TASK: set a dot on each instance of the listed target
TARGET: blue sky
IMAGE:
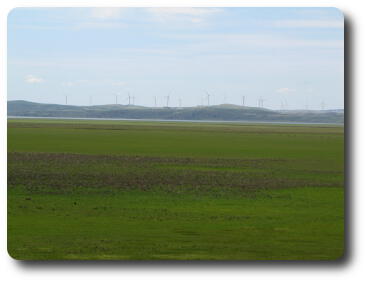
(290, 57)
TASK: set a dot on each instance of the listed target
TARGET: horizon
(277, 58)
(176, 106)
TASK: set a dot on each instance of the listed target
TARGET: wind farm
(176, 134)
(221, 112)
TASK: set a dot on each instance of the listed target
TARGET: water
(180, 121)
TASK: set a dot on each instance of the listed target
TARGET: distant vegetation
(224, 112)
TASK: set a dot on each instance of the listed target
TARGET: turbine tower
(66, 99)
(128, 95)
(322, 105)
(243, 100)
(167, 100)
(208, 95)
(261, 102)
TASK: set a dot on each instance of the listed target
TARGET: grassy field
(165, 190)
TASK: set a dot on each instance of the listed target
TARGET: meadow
(82, 189)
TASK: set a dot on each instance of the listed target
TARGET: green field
(81, 189)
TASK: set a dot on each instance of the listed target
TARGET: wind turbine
(167, 97)
(167, 100)
(322, 105)
(155, 101)
(261, 102)
(128, 95)
(243, 100)
(208, 95)
(306, 105)
(63, 91)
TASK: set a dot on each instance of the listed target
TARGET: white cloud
(106, 13)
(109, 15)
(100, 25)
(119, 83)
(196, 20)
(33, 79)
(193, 15)
(184, 11)
(245, 41)
(309, 24)
(285, 90)
(68, 84)
(100, 18)
(94, 82)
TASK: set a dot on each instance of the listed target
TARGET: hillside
(225, 112)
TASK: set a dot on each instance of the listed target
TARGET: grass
(178, 139)
(144, 190)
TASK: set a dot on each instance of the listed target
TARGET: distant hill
(224, 112)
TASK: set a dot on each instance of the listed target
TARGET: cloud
(184, 11)
(106, 13)
(196, 20)
(193, 15)
(119, 83)
(285, 90)
(241, 42)
(97, 16)
(94, 83)
(33, 79)
(68, 84)
(100, 18)
(77, 83)
(309, 24)
(100, 25)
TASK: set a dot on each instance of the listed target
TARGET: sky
(291, 58)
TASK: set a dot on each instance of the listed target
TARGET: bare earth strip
(65, 172)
